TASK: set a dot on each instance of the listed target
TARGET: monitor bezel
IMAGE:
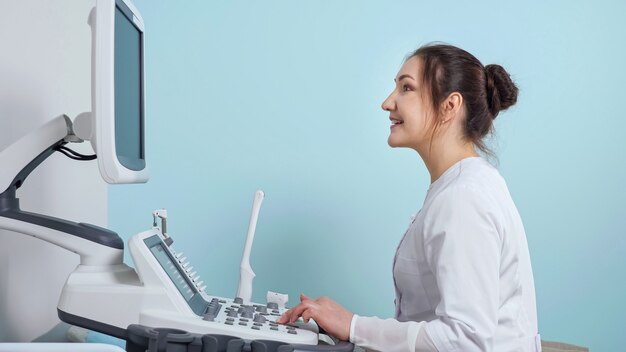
(103, 93)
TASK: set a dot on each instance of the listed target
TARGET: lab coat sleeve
(390, 335)
(462, 245)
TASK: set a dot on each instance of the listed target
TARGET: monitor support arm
(20, 158)
(95, 245)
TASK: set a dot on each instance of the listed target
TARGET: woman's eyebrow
(403, 77)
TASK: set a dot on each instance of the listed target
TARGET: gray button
(243, 319)
(275, 311)
(259, 318)
(208, 317)
(228, 322)
(246, 314)
(222, 301)
(213, 310)
(243, 323)
(257, 324)
(230, 319)
(292, 332)
(290, 327)
(261, 309)
(245, 309)
(232, 313)
(238, 300)
(273, 324)
(274, 328)
(256, 328)
(272, 305)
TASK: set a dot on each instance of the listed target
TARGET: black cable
(70, 155)
(74, 154)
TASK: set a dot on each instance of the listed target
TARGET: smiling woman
(462, 272)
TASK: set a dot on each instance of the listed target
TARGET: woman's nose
(389, 103)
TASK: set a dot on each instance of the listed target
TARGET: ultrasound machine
(161, 304)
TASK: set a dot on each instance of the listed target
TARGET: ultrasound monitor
(118, 91)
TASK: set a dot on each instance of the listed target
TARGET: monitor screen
(129, 104)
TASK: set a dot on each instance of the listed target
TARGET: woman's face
(409, 109)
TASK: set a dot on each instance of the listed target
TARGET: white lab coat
(462, 272)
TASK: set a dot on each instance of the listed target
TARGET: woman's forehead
(411, 68)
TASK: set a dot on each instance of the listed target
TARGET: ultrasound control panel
(257, 317)
(201, 313)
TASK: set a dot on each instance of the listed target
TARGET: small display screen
(172, 270)
(129, 107)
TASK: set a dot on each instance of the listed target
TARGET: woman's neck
(441, 158)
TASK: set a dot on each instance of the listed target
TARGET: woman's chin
(393, 142)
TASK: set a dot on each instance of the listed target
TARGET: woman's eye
(406, 88)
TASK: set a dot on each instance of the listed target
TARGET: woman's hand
(328, 315)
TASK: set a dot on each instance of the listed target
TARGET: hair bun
(501, 91)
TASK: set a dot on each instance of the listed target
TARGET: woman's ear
(451, 107)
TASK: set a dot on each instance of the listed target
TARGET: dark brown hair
(486, 90)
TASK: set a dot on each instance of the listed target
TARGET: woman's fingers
(303, 297)
(307, 315)
(286, 317)
(294, 313)
(300, 309)
(328, 315)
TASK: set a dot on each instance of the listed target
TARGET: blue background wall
(285, 96)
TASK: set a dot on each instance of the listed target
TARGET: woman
(462, 272)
